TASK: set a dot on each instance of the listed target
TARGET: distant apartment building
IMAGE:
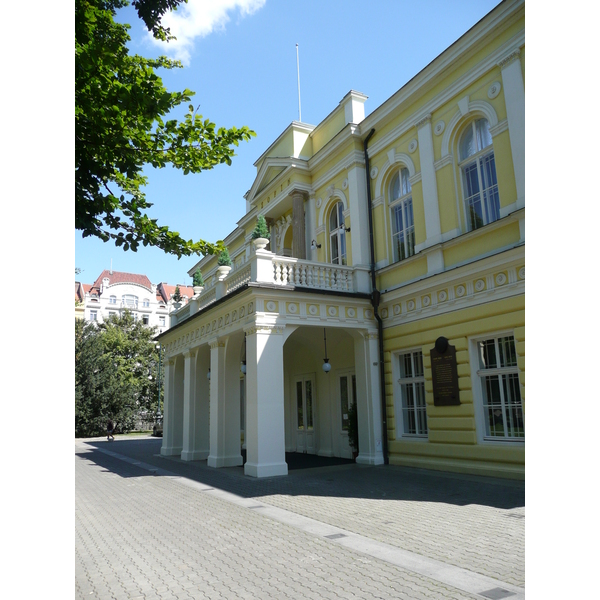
(115, 291)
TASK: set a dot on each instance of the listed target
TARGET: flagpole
(298, 69)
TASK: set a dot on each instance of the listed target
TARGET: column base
(172, 451)
(194, 455)
(225, 461)
(370, 459)
(265, 470)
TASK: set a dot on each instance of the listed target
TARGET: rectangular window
(412, 392)
(161, 321)
(145, 319)
(93, 315)
(498, 376)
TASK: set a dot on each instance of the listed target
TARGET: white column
(311, 227)
(189, 405)
(366, 356)
(224, 440)
(298, 225)
(265, 428)
(514, 95)
(359, 226)
(167, 440)
(173, 413)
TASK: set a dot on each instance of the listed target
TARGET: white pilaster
(366, 355)
(359, 221)
(433, 229)
(514, 95)
(265, 428)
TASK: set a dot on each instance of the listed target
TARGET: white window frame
(403, 203)
(112, 300)
(339, 234)
(399, 381)
(162, 322)
(478, 374)
(477, 159)
(94, 315)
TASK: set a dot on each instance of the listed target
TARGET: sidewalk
(392, 532)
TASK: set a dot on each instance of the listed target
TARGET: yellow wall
(452, 443)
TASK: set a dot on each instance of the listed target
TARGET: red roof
(120, 277)
(166, 291)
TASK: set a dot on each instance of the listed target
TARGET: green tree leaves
(116, 370)
(121, 107)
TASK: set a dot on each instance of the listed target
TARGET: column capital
(263, 329)
(216, 344)
(507, 60)
(190, 352)
(423, 121)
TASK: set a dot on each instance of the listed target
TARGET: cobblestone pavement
(189, 531)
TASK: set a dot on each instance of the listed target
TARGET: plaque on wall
(444, 373)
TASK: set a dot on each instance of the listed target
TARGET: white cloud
(199, 18)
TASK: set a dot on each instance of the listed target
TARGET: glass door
(305, 433)
(347, 391)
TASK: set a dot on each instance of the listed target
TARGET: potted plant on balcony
(177, 297)
(224, 263)
(260, 235)
(198, 283)
(353, 429)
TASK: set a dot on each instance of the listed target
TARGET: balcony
(271, 269)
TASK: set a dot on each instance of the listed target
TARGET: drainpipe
(375, 298)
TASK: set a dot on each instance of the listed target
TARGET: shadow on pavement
(314, 476)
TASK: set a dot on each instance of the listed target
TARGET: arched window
(337, 235)
(112, 300)
(146, 303)
(478, 167)
(130, 301)
(403, 223)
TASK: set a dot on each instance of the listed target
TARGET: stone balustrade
(266, 267)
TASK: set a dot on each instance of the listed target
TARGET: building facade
(115, 291)
(396, 259)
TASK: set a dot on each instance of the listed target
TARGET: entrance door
(347, 389)
(304, 393)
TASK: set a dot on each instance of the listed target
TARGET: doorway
(304, 386)
(347, 397)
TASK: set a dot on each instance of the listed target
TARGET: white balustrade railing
(265, 267)
(302, 273)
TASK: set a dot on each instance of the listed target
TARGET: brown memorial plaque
(445, 374)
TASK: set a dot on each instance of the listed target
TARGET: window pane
(467, 148)
(492, 406)
(484, 137)
(342, 235)
(487, 354)
(395, 187)
(334, 249)
(299, 405)
(508, 353)
(405, 182)
(344, 402)
(309, 411)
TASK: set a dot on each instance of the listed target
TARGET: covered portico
(279, 333)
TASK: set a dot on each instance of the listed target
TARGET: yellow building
(394, 277)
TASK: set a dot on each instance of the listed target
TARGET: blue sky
(244, 73)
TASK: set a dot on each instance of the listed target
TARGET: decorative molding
(414, 144)
(374, 172)
(439, 127)
(319, 202)
(345, 183)
(499, 128)
(494, 90)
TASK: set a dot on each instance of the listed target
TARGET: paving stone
(176, 541)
